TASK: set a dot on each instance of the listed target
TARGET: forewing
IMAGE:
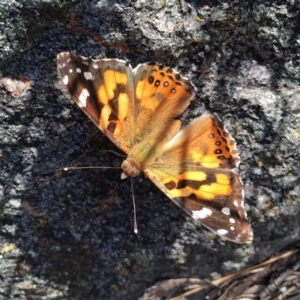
(196, 172)
(104, 90)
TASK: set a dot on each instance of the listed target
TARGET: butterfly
(138, 110)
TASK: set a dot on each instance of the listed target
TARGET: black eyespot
(211, 135)
(173, 91)
(150, 79)
(217, 143)
(166, 83)
(221, 157)
(218, 151)
(157, 82)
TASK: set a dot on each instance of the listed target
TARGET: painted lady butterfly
(137, 110)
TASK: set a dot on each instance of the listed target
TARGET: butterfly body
(138, 111)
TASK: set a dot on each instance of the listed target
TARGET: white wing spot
(207, 211)
(232, 220)
(78, 70)
(70, 70)
(95, 66)
(231, 228)
(83, 97)
(201, 214)
(88, 76)
(226, 211)
(66, 80)
(222, 231)
(62, 65)
(235, 203)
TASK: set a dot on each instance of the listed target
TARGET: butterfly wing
(104, 90)
(196, 172)
(161, 95)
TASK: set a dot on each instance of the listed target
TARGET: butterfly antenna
(135, 228)
(94, 167)
(114, 152)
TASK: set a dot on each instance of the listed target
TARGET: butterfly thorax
(140, 157)
(130, 168)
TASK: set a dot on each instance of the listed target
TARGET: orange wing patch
(112, 89)
(191, 183)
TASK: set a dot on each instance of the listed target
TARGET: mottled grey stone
(72, 237)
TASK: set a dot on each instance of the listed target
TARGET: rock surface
(69, 235)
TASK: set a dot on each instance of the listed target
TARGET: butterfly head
(130, 168)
